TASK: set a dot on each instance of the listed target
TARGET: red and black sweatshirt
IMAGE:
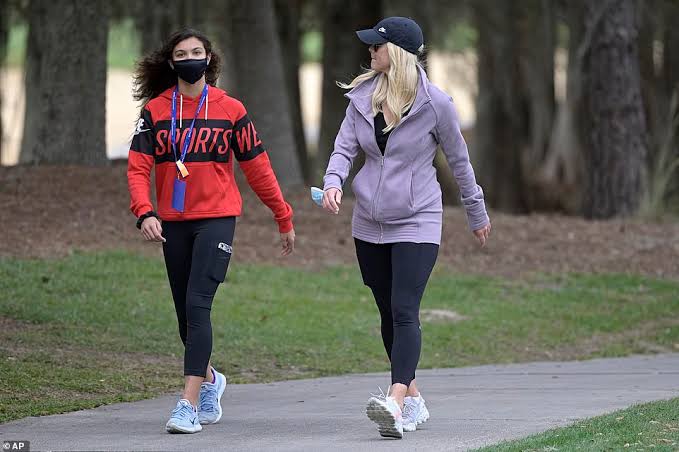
(222, 130)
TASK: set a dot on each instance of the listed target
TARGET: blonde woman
(397, 118)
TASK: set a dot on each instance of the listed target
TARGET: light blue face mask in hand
(317, 195)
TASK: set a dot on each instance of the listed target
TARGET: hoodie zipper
(377, 191)
(379, 182)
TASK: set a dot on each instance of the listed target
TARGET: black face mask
(190, 70)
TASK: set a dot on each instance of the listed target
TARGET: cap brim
(370, 37)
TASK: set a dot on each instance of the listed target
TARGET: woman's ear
(170, 63)
(209, 57)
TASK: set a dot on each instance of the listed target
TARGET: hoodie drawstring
(181, 107)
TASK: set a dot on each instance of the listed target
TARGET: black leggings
(197, 255)
(397, 274)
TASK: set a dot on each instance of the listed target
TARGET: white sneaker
(414, 413)
(385, 412)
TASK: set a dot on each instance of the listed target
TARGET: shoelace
(408, 409)
(182, 410)
(208, 397)
(381, 395)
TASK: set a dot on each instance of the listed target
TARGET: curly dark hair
(153, 74)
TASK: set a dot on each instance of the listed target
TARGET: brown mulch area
(50, 211)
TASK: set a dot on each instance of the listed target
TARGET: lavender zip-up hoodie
(398, 198)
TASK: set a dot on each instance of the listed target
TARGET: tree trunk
(288, 17)
(66, 84)
(260, 84)
(670, 74)
(550, 160)
(670, 86)
(530, 156)
(660, 83)
(613, 122)
(221, 31)
(501, 130)
(343, 56)
(4, 33)
(537, 32)
(561, 175)
(655, 105)
(156, 20)
(664, 18)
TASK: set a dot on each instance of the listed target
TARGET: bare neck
(189, 90)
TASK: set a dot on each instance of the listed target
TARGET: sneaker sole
(171, 427)
(219, 404)
(386, 422)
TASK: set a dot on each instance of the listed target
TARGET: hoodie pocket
(363, 187)
(395, 200)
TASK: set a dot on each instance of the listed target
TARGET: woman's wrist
(143, 217)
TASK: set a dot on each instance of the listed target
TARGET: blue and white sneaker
(184, 419)
(414, 413)
(209, 407)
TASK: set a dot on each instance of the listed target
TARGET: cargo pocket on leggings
(219, 262)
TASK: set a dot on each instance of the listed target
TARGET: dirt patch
(50, 211)
(440, 316)
(9, 326)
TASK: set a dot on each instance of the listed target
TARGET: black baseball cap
(401, 31)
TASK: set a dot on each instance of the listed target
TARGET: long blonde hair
(396, 89)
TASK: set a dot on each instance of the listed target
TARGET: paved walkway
(470, 407)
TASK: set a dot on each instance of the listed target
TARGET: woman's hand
(482, 234)
(151, 230)
(332, 198)
(287, 242)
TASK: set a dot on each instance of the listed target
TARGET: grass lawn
(651, 426)
(99, 328)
